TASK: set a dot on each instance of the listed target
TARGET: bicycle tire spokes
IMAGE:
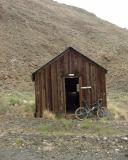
(88, 111)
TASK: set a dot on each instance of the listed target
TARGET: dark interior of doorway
(72, 95)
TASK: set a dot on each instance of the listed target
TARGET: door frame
(80, 93)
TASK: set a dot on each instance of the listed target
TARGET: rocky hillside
(34, 31)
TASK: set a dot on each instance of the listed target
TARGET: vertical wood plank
(58, 65)
(54, 87)
(80, 93)
(37, 95)
(64, 96)
(62, 84)
(66, 64)
(105, 93)
(43, 92)
(48, 88)
(40, 95)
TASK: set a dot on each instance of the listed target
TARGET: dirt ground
(20, 139)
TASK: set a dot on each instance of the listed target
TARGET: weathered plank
(43, 92)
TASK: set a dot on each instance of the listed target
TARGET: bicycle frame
(91, 109)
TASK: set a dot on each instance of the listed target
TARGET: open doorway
(72, 94)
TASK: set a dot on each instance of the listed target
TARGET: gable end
(60, 55)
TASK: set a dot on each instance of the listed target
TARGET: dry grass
(17, 104)
(48, 115)
(117, 112)
(21, 105)
(118, 106)
(63, 127)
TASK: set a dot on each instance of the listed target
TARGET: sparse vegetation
(18, 142)
(22, 104)
(116, 112)
(15, 100)
(87, 124)
(17, 103)
(73, 127)
(117, 106)
(55, 133)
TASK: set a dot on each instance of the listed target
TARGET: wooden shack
(64, 82)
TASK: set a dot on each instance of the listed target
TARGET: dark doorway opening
(72, 94)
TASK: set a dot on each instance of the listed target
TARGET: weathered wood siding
(49, 82)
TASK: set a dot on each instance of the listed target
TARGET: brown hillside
(34, 31)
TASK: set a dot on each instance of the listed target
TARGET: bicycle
(87, 110)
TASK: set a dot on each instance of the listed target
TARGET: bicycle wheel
(80, 113)
(100, 112)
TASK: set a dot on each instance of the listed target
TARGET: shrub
(48, 115)
(117, 111)
(15, 100)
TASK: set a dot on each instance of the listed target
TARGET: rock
(121, 146)
(126, 155)
(124, 138)
(84, 137)
(48, 147)
(116, 140)
(2, 134)
(105, 138)
(14, 144)
(117, 150)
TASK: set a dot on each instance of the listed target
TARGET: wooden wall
(49, 82)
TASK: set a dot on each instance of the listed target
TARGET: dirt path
(66, 153)
(11, 154)
(20, 139)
